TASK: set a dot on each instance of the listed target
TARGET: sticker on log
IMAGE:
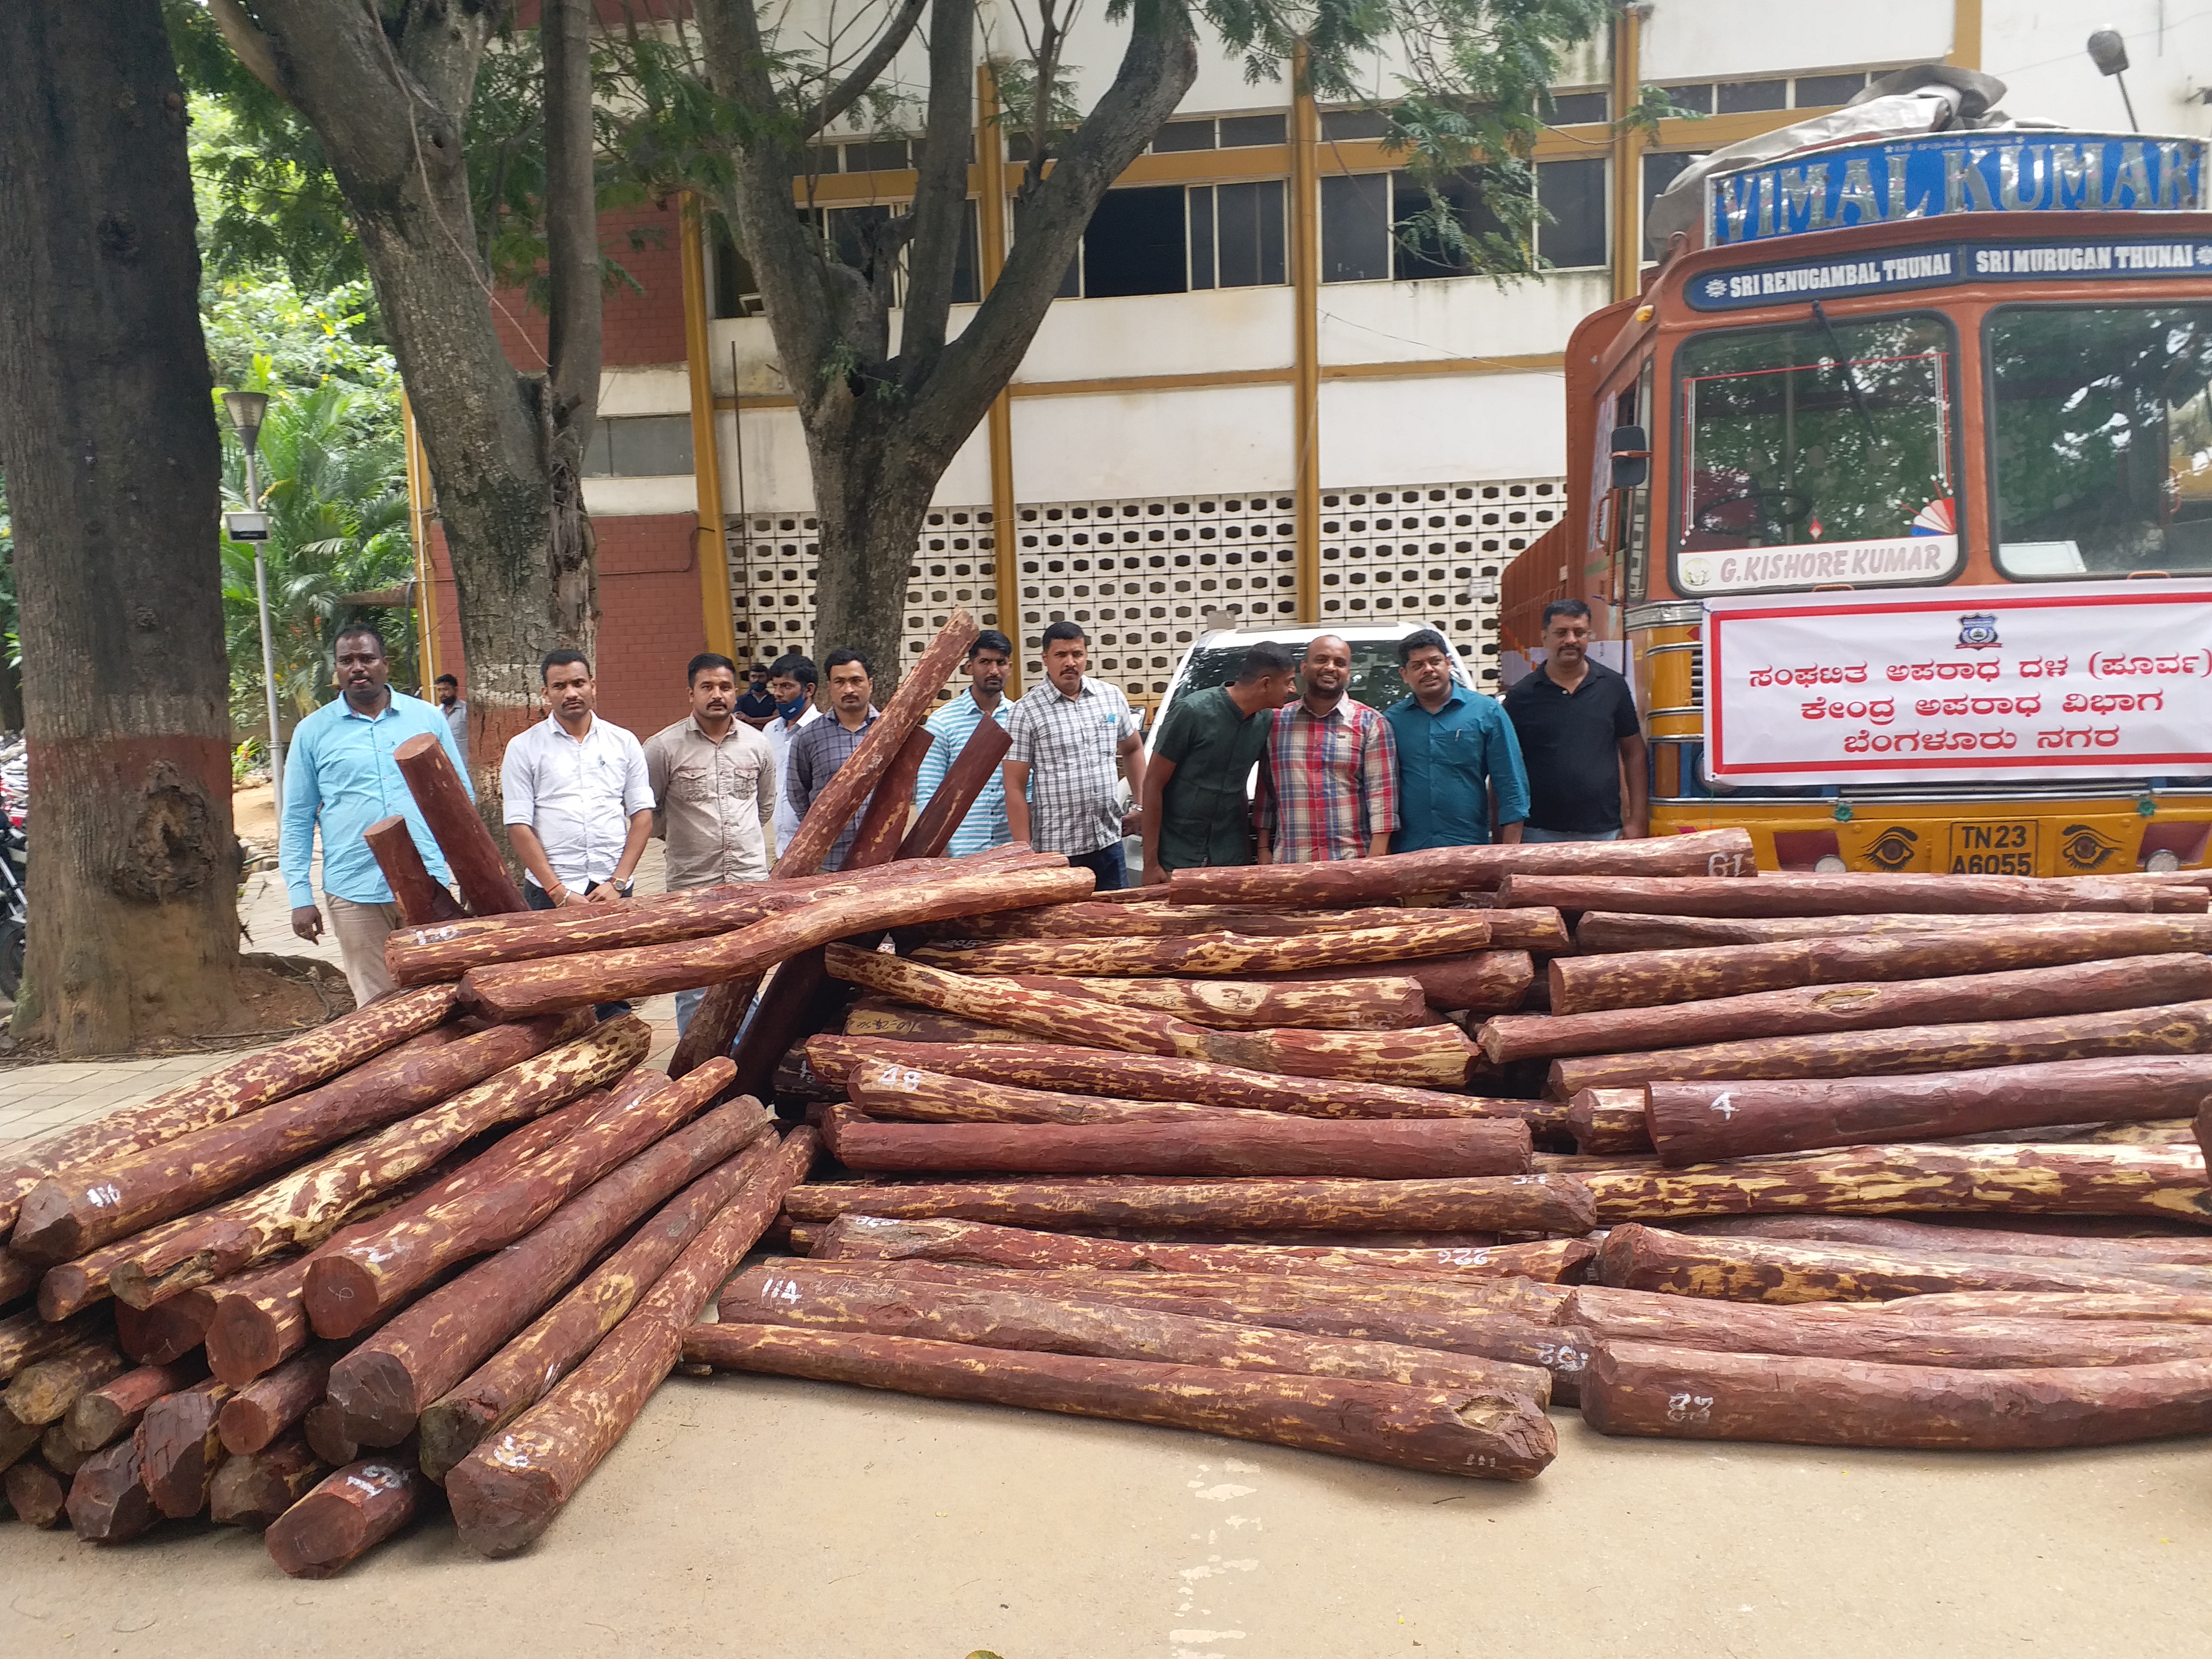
(1444, 1432)
(1232, 1145)
(1702, 1122)
(1639, 1388)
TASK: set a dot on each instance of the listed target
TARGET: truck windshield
(1832, 439)
(1375, 679)
(2102, 425)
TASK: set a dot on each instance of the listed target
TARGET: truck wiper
(1850, 376)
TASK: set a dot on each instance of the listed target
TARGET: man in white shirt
(579, 806)
(791, 681)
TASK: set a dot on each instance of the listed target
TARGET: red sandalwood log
(1511, 1204)
(65, 1218)
(352, 1511)
(2164, 1182)
(1366, 1002)
(1082, 1070)
(1600, 932)
(2128, 982)
(253, 1417)
(1608, 1120)
(179, 1448)
(1447, 869)
(1847, 895)
(867, 1237)
(422, 897)
(44, 1390)
(384, 1384)
(1222, 955)
(1638, 1388)
(1014, 1320)
(1700, 1122)
(450, 812)
(1647, 978)
(522, 1373)
(305, 1207)
(240, 1085)
(108, 1501)
(164, 1333)
(256, 1321)
(509, 1489)
(2122, 1251)
(2172, 1028)
(325, 1428)
(511, 990)
(100, 1417)
(351, 1288)
(1234, 1144)
(1444, 1432)
(253, 1490)
(956, 792)
(37, 1495)
(25, 1337)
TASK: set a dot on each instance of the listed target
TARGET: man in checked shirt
(1070, 734)
(1328, 778)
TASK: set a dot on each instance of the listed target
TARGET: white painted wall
(2040, 50)
(1375, 433)
(1741, 39)
(1398, 322)
(634, 498)
(1165, 334)
(661, 390)
(1230, 438)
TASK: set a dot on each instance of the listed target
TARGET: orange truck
(1892, 493)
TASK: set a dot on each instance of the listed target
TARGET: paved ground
(756, 1516)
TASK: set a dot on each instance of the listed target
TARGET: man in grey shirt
(457, 714)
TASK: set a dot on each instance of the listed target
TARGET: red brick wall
(649, 618)
(643, 324)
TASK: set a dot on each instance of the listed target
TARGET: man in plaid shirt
(1328, 778)
(1069, 734)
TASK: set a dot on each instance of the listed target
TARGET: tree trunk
(391, 105)
(108, 436)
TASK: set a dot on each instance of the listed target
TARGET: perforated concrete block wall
(1144, 576)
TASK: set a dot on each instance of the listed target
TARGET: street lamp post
(246, 409)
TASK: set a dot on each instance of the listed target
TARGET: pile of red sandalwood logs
(1381, 1158)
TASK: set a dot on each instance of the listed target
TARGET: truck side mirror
(1632, 457)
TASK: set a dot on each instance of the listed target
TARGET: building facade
(1253, 403)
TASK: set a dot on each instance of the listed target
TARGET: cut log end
(341, 1296)
(500, 1509)
(349, 1513)
(48, 1229)
(376, 1393)
(37, 1495)
(108, 1503)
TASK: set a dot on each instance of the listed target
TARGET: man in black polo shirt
(1576, 723)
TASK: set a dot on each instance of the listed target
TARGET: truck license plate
(1993, 849)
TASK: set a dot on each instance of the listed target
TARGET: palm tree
(335, 492)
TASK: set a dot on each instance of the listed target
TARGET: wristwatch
(626, 888)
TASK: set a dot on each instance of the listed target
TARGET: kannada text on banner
(1981, 684)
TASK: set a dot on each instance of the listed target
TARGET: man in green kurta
(1195, 811)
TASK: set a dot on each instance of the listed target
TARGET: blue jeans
(1530, 832)
(687, 1003)
(1107, 864)
(538, 899)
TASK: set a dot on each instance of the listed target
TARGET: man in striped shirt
(1328, 778)
(950, 728)
(1069, 735)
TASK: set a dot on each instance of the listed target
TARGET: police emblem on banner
(1978, 632)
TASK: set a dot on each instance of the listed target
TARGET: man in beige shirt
(714, 781)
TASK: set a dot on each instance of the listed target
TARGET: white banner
(2078, 679)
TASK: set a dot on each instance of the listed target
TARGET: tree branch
(862, 75)
(940, 194)
(252, 46)
(573, 327)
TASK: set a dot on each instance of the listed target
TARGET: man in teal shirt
(1459, 763)
(339, 772)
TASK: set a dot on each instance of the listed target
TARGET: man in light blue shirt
(1459, 763)
(950, 728)
(339, 772)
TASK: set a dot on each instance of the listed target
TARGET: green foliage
(337, 504)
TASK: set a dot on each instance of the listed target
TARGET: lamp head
(2108, 52)
(246, 409)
